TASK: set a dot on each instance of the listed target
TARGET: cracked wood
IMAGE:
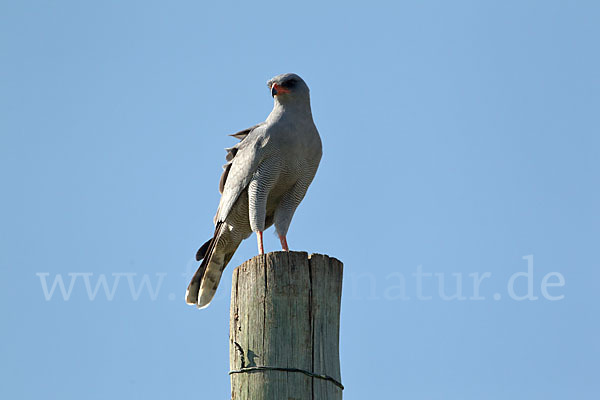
(285, 310)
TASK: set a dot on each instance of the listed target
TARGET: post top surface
(274, 255)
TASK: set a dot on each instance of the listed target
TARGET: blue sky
(459, 138)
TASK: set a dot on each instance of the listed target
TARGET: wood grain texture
(285, 312)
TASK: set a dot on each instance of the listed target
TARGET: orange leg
(284, 244)
(259, 238)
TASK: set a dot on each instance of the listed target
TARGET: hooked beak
(276, 89)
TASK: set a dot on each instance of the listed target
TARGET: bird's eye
(290, 83)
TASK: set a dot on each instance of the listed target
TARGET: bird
(266, 176)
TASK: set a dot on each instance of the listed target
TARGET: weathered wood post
(284, 328)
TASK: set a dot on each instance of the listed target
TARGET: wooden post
(285, 318)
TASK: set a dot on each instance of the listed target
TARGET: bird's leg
(284, 244)
(259, 238)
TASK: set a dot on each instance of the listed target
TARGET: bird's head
(288, 88)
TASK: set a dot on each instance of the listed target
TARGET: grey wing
(232, 151)
(243, 160)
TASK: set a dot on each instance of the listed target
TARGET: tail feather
(191, 294)
(215, 255)
(210, 280)
(205, 253)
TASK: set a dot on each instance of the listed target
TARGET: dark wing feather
(201, 253)
(223, 179)
(242, 134)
